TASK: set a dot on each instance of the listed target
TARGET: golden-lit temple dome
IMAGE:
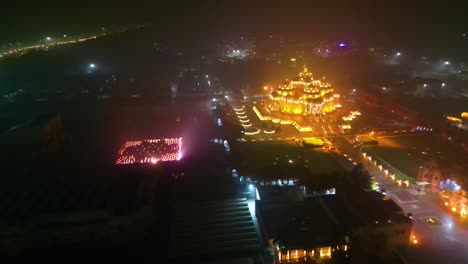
(304, 95)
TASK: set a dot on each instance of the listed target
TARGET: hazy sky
(376, 20)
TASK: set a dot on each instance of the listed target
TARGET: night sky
(380, 22)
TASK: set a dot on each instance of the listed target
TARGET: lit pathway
(443, 243)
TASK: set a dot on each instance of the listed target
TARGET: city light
(425, 85)
(304, 95)
(342, 45)
(150, 151)
(447, 62)
(92, 65)
(22, 50)
(398, 54)
(443, 84)
(253, 132)
(282, 121)
(238, 108)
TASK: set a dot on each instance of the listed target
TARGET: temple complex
(304, 95)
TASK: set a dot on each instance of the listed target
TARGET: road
(446, 242)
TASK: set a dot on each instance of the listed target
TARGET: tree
(56, 137)
(361, 177)
(319, 183)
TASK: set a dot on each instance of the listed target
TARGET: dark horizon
(389, 23)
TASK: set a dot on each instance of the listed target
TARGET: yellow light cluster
(351, 115)
(256, 132)
(459, 203)
(400, 182)
(454, 119)
(281, 121)
(314, 141)
(293, 97)
(295, 255)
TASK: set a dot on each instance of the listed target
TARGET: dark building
(377, 225)
(298, 230)
(308, 230)
(214, 230)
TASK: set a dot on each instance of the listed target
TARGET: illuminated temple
(304, 95)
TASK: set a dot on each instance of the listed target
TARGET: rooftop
(213, 228)
(320, 221)
(296, 223)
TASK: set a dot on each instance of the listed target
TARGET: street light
(398, 54)
(92, 65)
(447, 62)
(48, 38)
(425, 85)
(443, 84)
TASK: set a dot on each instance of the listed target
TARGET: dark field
(288, 160)
(407, 153)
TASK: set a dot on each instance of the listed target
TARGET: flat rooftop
(213, 228)
(297, 223)
(323, 220)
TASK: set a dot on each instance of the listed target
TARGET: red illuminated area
(150, 151)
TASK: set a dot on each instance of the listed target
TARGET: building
(301, 231)
(430, 173)
(304, 95)
(377, 225)
(207, 230)
(309, 230)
